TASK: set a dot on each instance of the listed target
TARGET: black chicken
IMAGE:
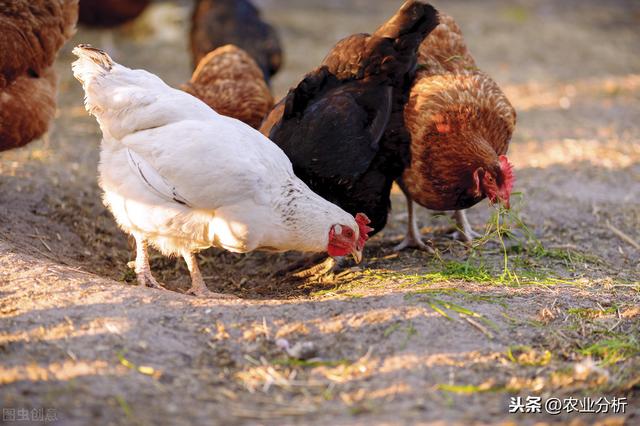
(216, 23)
(342, 126)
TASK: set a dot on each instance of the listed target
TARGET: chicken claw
(198, 286)
(145, 279)
(141, 265)
(413, 239)
(464, 231)
(323, 271)
(328, 270)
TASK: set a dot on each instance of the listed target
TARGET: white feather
(153, 180)
(188, 178)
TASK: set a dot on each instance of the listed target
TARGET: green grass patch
(467, 296)
(470, 389)
(124, 405)
(592, 313)
(613, 350)
(468, 271)
(465, 271)
(142, 369)
(569, 257)
(445, 308)
(409, 330)
(524, 247)
(527, 356)
(518, 264)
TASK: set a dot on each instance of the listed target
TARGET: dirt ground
(552, 311)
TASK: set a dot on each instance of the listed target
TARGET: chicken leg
(142, 268)
(464, 232)
(413, 238)
(198, 287)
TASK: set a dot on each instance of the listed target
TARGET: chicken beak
(357, 255)
(506, 202)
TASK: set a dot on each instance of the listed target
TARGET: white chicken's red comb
(363, 221)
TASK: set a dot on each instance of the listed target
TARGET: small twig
(45, 244)
(79, 270)
(265, 327)
(37, 236)
(477, 325)
(564, 246)
(615, 326)
(48, 256)
(623, 236)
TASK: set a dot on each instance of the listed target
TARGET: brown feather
(27, 105)
(230, 82)
(31, 33)
(459, 120)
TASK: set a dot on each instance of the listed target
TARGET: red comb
(509, 179)
(363, 221)
(507, 171)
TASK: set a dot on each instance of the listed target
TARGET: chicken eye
(348, 233)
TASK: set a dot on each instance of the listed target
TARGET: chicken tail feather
(91, 63)
(415, 19)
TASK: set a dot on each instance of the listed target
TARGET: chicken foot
(413, 239)
(300, 264)
(323, 268)
(325, 271)
(198, 286)
(464, 231)
(142, 268)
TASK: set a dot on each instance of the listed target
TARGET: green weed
(591, 313)
(470, 389)
(613, 350)
(527, 356)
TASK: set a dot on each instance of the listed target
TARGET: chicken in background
(342, 126)
(182, 177)
(30, 36)
(216, 23)
(110, 13)
(461, 125)
(230, 82)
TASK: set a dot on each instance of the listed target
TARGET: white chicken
(182, 177)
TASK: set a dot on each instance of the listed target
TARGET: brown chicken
(110, 13)
(216, 23)
(31, 35)
(460, 124)
(230, 82)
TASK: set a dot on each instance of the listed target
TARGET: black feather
(342, 126)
